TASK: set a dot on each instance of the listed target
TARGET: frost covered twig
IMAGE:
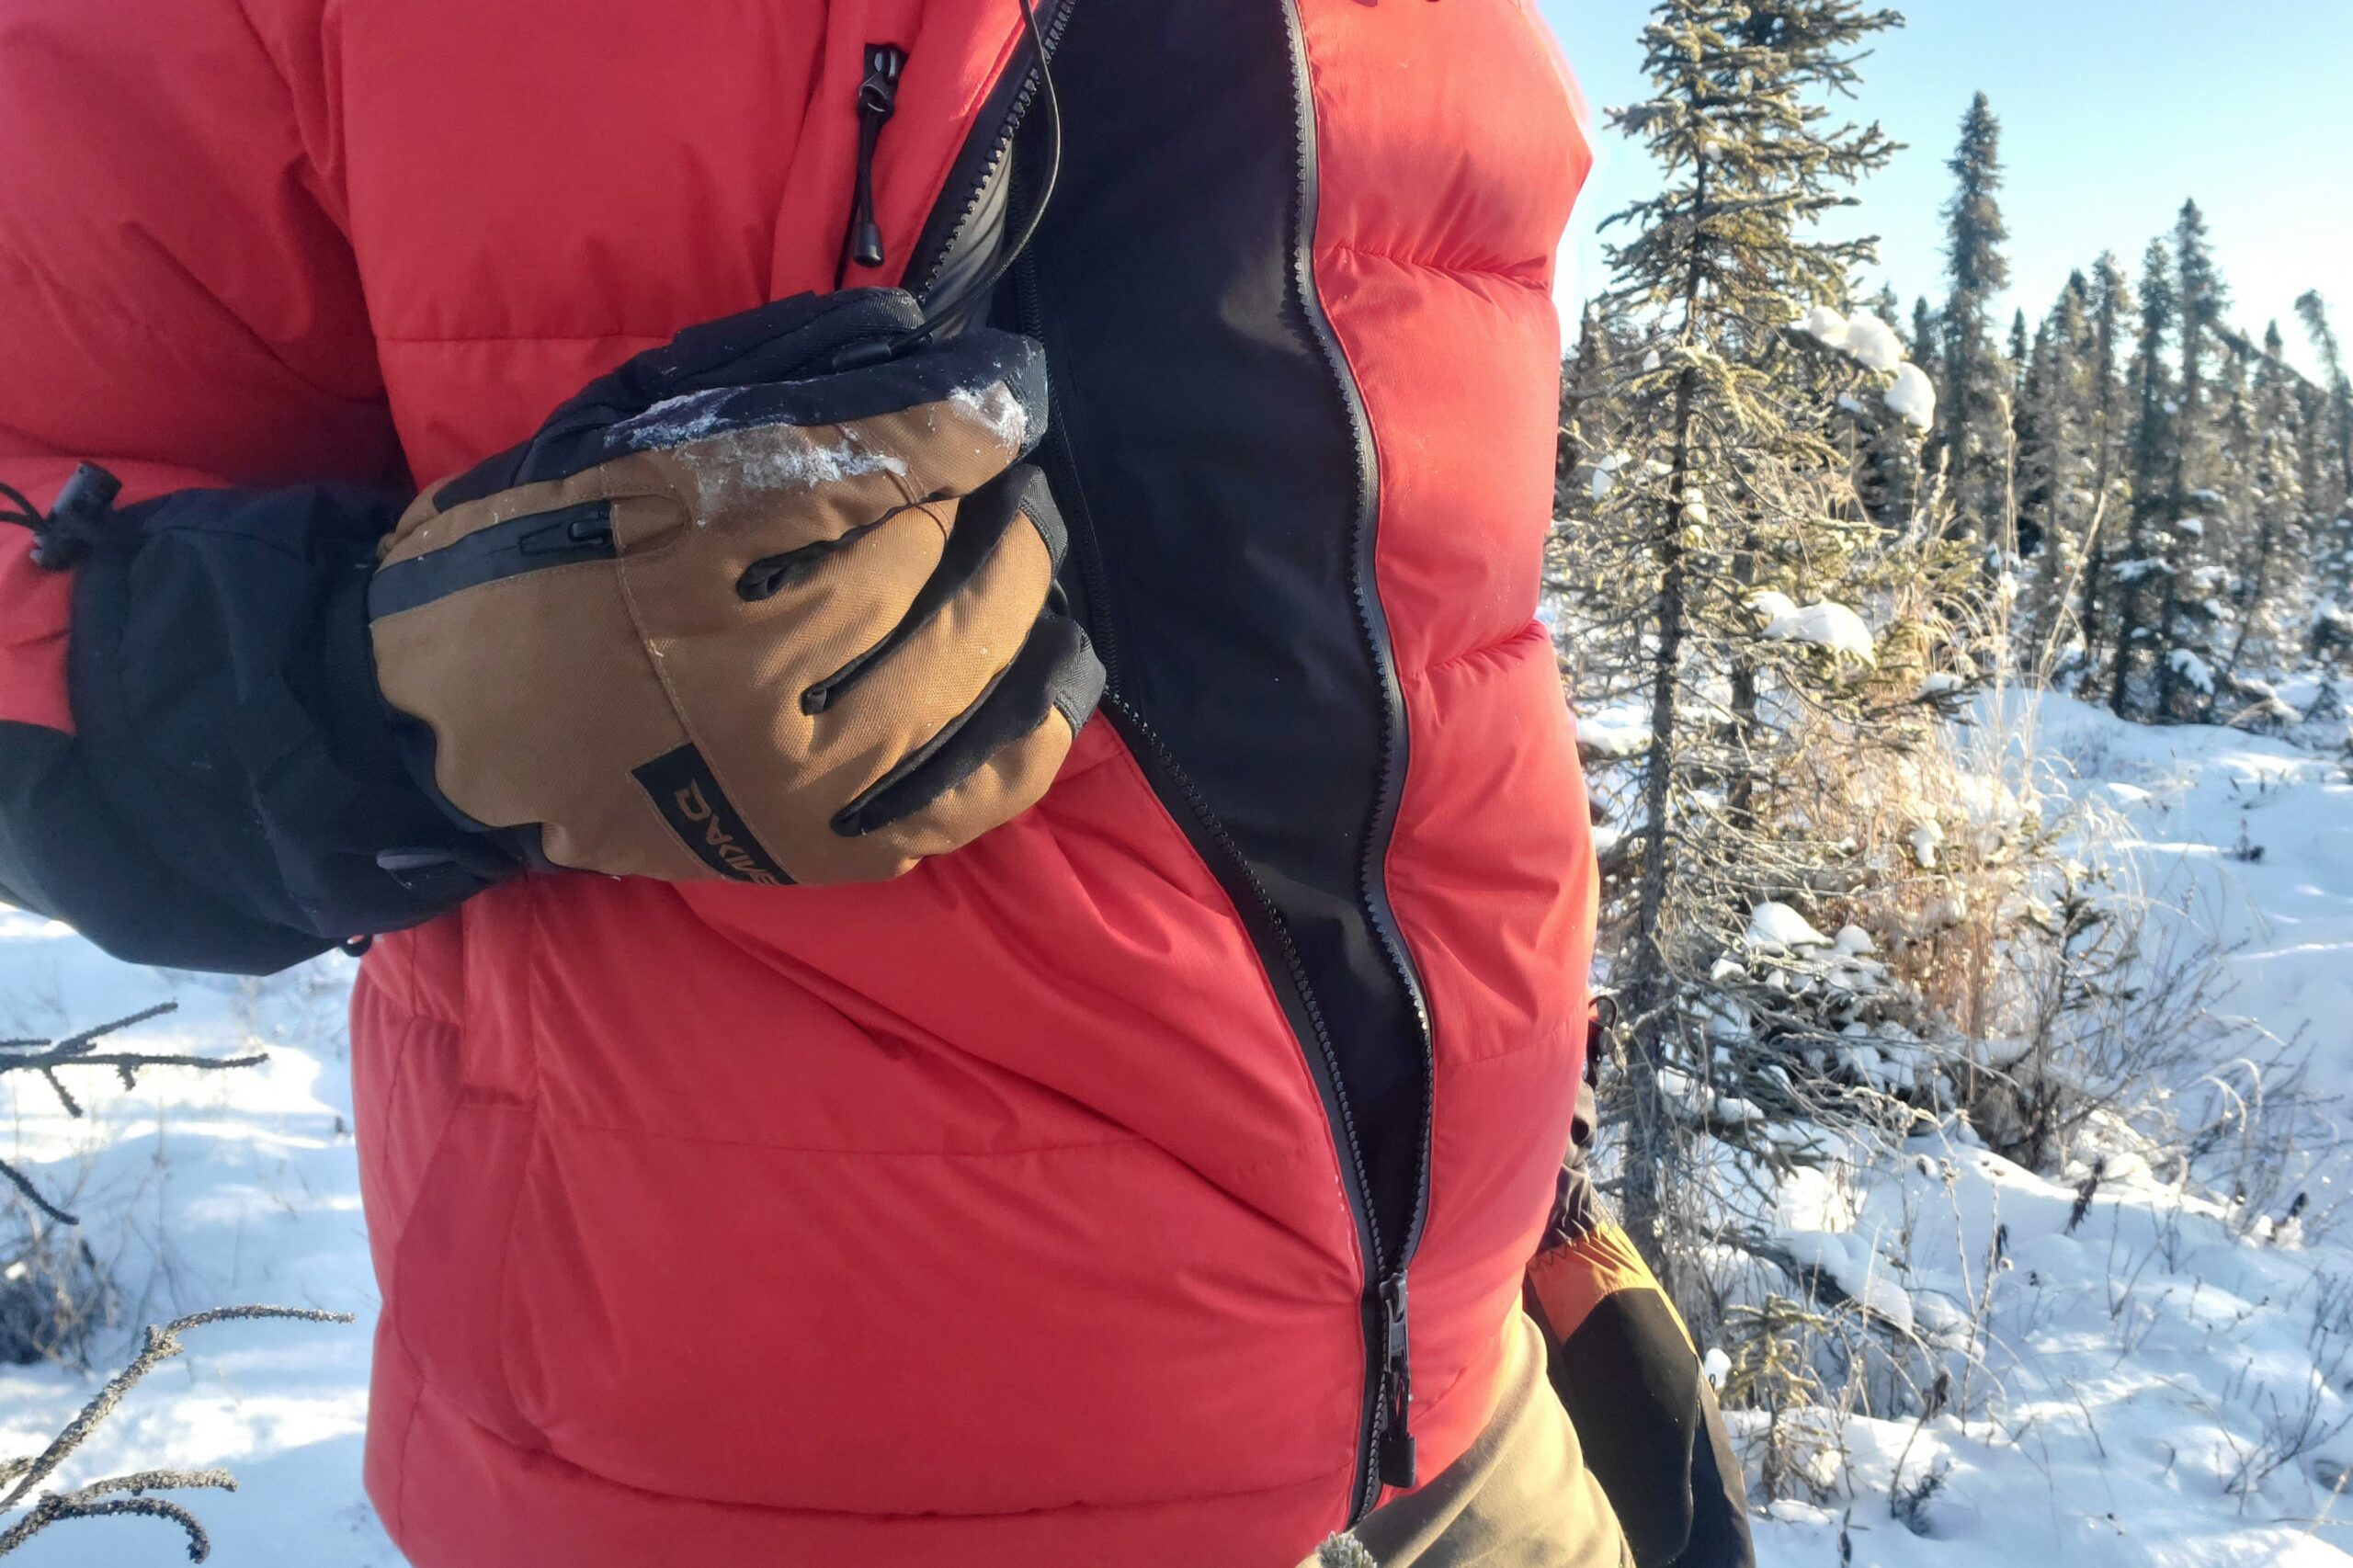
(43, 1056)
(127, 1494)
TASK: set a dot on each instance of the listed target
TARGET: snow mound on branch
(1823, 624)
(1873, 342)
(1914, 396)
(1862, 336)
(1614, 732)
(1825, 326)
(1778, 925)
(2191, 668)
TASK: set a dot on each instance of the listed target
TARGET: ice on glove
(766, 604)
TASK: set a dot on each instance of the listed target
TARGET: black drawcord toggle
(81, 516)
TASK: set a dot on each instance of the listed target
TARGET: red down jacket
(1088, 1195)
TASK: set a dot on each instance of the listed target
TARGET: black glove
(1625, 1368)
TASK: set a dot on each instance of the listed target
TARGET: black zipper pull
(1397, 1466)
(878, 99)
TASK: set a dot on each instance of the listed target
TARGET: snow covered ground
(2137, 1371)
(2155, 1387)
(205, 1189)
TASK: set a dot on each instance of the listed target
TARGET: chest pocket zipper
(878, 99)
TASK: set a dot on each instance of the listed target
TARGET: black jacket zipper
(1383, 1445)
(962, 196)
(878, 99)
(1391, 1460)
(1386, 1446)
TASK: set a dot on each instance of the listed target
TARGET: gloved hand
(1624, 1367)
(766, 603)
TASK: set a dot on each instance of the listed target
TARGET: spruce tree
(2111, 306)
(1584, 373)
(1927, 333)
(2133, 579)
(2328, 489)
(2189, 608)
(1887, 476)
(2327, 471)
(2056, 491)
(2269, 591)
(1973, 434)
(2332, 425)
(1723, 553)
(2021, 353)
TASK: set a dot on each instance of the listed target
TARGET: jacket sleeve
(1624, 1366)
(194, 767)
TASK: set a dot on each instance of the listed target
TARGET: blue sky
(2112, 112)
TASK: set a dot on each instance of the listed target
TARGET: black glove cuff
(230, 730)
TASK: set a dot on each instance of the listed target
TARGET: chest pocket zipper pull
(878, 97)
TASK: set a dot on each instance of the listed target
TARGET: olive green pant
(1520, 1497)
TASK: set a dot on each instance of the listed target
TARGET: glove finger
(773, 470)
(773, 342)
(995, 759)
(773, 367)
(1016, 498)
(765, 343)
(901, 706)
(985, 384)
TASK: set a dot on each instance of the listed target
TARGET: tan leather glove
(771, 603)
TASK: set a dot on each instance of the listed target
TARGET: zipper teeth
(1360, 590)
(1368, 870)
(1366, 1488)
(1382, 1382)
(1014, 113)
(1291, 961)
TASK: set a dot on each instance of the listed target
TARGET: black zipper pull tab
(878, 99)
(1397, 1466)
